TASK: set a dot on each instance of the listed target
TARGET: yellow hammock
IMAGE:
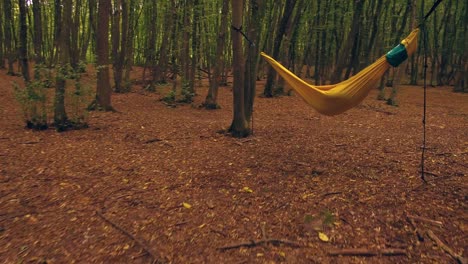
(337, 98)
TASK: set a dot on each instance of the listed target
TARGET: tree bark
(63, 43)
(239, 126)
(350, 47)
(37, 36)
(23, 49)
(9, 36)
(256, 19)
(2, 38)
(288, 9)
(211, 101)
(103, 89)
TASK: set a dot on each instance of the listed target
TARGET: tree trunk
(128, 61)
(120, 29)
(103, 89)
(2, 38)
(239, 126)
(350, 47)
(23, 48)
(195, 37)
(150, 51)
(288, 9)
(211, 101)
(392, 100)
(256, 19)
(9, 36)
(63, 43)
(37, 36)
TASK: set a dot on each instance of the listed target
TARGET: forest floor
(152, 182)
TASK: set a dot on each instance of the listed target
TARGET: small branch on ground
(423, 219)
(126, 233)
(430, 173)
(416, 230)
(367, 252)
(331, 193)
(444, 247)
(254, 243)
(149, 141)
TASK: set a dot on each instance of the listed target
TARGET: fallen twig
(365, 252)
(416, 230)
(444, 247)
(149, 141)
(254, 243)
(430, 173)
(30, 142)
(423, 219)
(125, 232)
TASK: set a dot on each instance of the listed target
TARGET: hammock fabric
(337, 98)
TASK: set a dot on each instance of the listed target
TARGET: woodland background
(179, 42)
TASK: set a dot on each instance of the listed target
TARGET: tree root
(367, 252)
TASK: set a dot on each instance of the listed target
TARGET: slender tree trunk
(159, 73)
(74, 30)
(373, 34)
(195, 37)
(2, 38)
(57, 29)
(63, 43)
(128, 62)
(239, 126)
(185, 58)
(288, 10)
(461, 74)
(119, 46)
(211, 101)
(392, 100)
(151, 52)
(9, 36)
(37, 36)
(92, 6)
(256, 19)
(23, 50)
(350, 47)
(103, 89)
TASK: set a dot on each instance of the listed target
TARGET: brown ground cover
(155, 181)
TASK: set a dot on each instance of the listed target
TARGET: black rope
(433, 8)
(424, 31)
(423, 152)
(244, 35)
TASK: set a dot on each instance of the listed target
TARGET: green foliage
(170, 97)
(36, 99)
(79, 99)
(33, 101)
(327, 218)
(186, 94)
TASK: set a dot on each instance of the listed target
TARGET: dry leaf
(323, 237)
(247, 190)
